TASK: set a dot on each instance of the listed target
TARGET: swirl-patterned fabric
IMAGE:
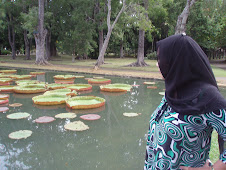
(182, 140)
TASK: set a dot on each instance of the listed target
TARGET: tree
(182, 18)
(40, 36)
(100, 59)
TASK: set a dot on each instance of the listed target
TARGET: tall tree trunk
(11, 36)
(40, 37)
(140, 53)
(121, 49)
(27, 46)
(101, 39)
(53, 50)
(182, 18)
(48, 41)
(100, 59)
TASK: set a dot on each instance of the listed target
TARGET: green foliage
(5, 52)
(152, 55)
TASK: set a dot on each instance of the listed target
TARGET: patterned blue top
(182, 140)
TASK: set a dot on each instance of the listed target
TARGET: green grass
(214, 151)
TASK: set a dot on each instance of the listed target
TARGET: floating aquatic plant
(4, 101)
(30, 88)
(15, 105)
(64, 77)
(19, 115)
(80, 87)
(147, 82)
(64, 91)
(131, 114)
(21, 134)
(50, 99)
(76, 126)
(4, 109)
(6, 88)
(116, 87)
(54, 86)
(66, 115)
(90, 117)
(44, 119)
(99, 81)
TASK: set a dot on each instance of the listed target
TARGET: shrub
(5, 52)
(152, 56)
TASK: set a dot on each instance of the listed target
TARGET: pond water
(112, 142)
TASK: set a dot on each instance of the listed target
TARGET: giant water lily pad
(21, 77)
(65, 91)
(90, 117)
(15, 105)
(99, 81)
(116, 87)
(30, 88)
(64, 77)
(5, 80)
(5, 75)
(44, 119)
(50, 99)
(70, 81)
(37, 73)
(79, 76)
(19, 115)
(54, 86)
(66, 116)
(131, 114)
(76, 126)
(8, 71)
(162, 93)
(85, 102)
(4, 101)
(4, 109)
(149, 83)
(21, 134)
(25, 82)
(80, 87)
(4, 96)
(152, 87)
(6, 88)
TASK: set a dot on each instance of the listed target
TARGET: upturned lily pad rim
(21, 134)
(99, 81)
(69, 102)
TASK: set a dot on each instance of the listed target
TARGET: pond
(112, 142)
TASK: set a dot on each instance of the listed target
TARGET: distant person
(180, 128)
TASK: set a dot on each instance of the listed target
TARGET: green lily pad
(79, 76)
(149, 82)
(85, 102)
(131, 114)
(76, 126)
(8, 71)
(50, 99)
(80, 87)
(37, 73)
(5, 75)
(102, 80)
(25, 82)
(62, 91)
(66, 116)
(54, 86)
(64, 77)
(116, 87)
(6, 88)
(21, 134)
(162, 93)
(30, 88)
(19, 115)
(5, 80)
(21, 77)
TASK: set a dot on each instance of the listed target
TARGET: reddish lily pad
(4, 109)
(44, 119)
(152, 87)
(15, 105)
(90, 117)
(4, 96)
(4, 101)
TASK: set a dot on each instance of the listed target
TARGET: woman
(180, 128)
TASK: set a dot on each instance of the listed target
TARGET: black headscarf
(190, 84)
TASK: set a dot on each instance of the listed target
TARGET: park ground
(113, 66)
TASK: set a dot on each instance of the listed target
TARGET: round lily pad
(54, 86)
(19, 115)
(8, 71)
(4, 109)
(4, 101)
(66, 115)
(44, 119)
(5, 80)
(30, 88)
(6, 88)
(37, 73)
(85, 102)
(25, 82)
(15, 105)
(99, 81)
(79, 76)
(80, 87)
(21, 134)
(64, 81)
(90, 117)
(116, 87)
(76, 126)
(64, 77)
(131, 114)
(21, 77)
(149, 82)
(4, 96)
(65, 91)
(162, 93)
(152, 87)
(96, 77)
(50, 99)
